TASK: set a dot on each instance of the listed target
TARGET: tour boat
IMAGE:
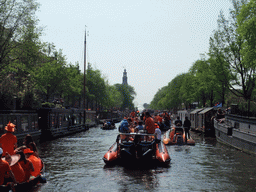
(176, 135)
(136, 148)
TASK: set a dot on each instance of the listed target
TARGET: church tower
(125, 78)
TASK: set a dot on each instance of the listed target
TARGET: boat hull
(162, 154)
(112, 154)
(178, 138)
(138, 150)
(241, 138)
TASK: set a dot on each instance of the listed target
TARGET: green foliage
(127, 93)
(48, 105)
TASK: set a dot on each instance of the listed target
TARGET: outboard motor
(179, 135)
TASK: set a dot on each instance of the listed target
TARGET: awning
(196, 111)
(206, 110)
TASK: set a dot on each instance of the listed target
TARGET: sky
(154, 40)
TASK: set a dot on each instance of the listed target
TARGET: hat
(10, 127)
(27, 151)
(1, 151)
(14, 159)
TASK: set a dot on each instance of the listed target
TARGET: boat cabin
(25, 121)
(194, 118)
(205, 119)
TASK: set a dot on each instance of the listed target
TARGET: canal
(74, 163)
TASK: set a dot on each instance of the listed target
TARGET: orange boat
(162, 154)
(112, 154)
(131, 148)
(176, 135)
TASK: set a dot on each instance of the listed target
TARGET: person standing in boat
(8, 141)
(178, 122)
(158, 134)
(186, 126)
(149, 123)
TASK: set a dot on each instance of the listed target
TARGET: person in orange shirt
(8, 141)
(28, 143)
(37, 163)
(5, 170)
(27, 166)
(17, 170)
(149, 124)
(133, 114)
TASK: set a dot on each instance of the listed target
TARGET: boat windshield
(136, 137)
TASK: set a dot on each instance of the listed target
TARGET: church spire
(125, 77)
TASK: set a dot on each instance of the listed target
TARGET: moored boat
(176, 135)
(237, 131)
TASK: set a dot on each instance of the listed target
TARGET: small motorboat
(136, 148)
(176, 135)
(108, 127)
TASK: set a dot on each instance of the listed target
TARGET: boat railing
(136, 137)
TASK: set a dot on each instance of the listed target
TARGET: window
(24, 123)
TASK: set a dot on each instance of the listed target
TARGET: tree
(231, 45)
(96, 86)
(51, 75)
(113, 97)
(247, 31)
(14, 16)
(128, 95)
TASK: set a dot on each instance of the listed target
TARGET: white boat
(237, 131)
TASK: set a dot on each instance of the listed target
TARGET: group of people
(134, 124)
(186, 126)
(18, 165)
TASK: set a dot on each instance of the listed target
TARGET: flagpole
(84, 76)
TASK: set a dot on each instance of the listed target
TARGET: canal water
(74, 163)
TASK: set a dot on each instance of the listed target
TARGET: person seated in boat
(27, 166)
(6, 173)
(124, 127)
(186, 126)
(28, 143)
(8, 141)
(220, 115)
(139, 127)
(109, 123)
(17, 170)
(37, 163)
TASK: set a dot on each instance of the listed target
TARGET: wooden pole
(84, 77)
